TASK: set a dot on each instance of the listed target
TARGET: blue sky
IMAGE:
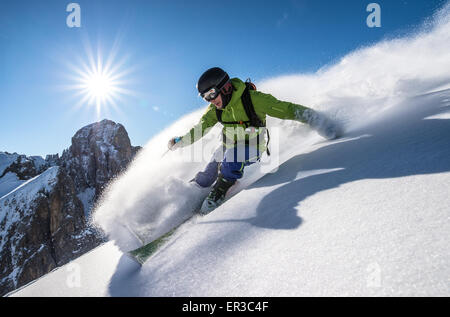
(161, 48)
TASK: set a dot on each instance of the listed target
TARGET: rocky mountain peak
(101, 150)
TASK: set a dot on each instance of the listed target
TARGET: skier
(242, 111)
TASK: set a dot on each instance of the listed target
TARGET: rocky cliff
(45, 203)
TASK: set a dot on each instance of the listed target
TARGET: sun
(100, 83)
(99, 87)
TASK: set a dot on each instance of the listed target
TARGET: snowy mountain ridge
(15, 169)
(45, 204)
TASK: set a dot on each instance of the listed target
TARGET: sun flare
(99, 83)
(99, 86)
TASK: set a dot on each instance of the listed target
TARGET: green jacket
(264, 104)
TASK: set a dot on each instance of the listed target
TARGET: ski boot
(217, 195)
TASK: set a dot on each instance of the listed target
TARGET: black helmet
(213, 77)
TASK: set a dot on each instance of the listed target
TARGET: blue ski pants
(232, 166)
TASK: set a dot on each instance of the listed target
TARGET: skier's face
(218, 102)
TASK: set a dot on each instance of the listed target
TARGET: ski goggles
(211, 94)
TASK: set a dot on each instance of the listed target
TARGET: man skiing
(242, 111)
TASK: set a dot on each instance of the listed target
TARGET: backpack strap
(219, 118)
(254, 120)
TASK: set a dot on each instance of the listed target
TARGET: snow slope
(364, 215)
(6, 159)
(9, 181)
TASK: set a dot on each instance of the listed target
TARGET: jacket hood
(238, 90)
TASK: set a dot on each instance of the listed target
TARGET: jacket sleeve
(266, 104)
(208, 120)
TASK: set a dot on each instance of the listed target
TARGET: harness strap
(254, 120)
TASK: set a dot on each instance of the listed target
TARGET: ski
(142, 254)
